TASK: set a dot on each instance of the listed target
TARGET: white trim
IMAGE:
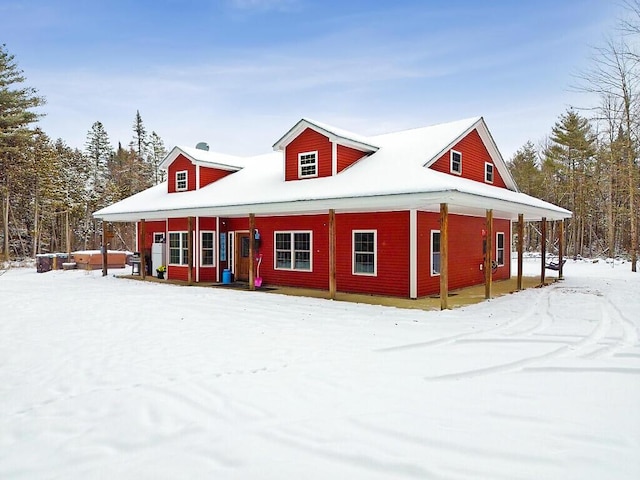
(486, 172)
(137, 238)
(451, 170)
(293, 251)
(217, 251)
(196, 248)
(213, 233)
(186, 180)
(413, 253)
(431, 272)
(316, 163)
(334, 158)
(346, 138)
(504, 249)
(375, 252)
(231, 251)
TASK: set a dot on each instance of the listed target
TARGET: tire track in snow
(570, 349)
(530, 313)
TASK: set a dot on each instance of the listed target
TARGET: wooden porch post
(543, 249)
(444, 256)
(520, 248)
(560, 248)
(332, 254)
(143, 261)
(190, 251)
(105, 255)
(488, 255)
(252, 253)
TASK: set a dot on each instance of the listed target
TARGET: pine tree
(16, 115)
(98, 153)
(157, 153)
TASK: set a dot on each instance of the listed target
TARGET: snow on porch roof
(393, 177)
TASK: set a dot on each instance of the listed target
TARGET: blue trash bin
(226, 276)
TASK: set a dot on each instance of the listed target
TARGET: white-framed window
(178, 248)
(308, 164)
(293, 251)
(456, 162)
(207, 248)
(182, 180)
(488, 172)
(158, 237)
(500, 248)
(365, 252)
(435, 253)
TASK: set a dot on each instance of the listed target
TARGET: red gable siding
(474, 156)
(210, 175)
(465, 251)
(347, 157)
(179, 164)
(308, 141)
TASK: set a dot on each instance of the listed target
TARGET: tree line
(48, 190)
(589, 163)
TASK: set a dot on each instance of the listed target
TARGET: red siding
(347, 157)
(392, 276)
(308, 141)
(210, 175)
(179, 164)
(465, 251)
(474, 156)
(150, 229)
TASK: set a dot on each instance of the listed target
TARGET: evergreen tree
(157, 153)
(16, 115)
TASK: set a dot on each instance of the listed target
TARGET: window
(456, 162)
(307, 164)
(207, 248)
(178, 251)
(181, 181)
(158, 237)
(293, 251)
(488, 172)
(435, 252)
(364, 252)
(500, 248)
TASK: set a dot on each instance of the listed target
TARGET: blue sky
(239, 73)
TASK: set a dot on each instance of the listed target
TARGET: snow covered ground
(104, 378)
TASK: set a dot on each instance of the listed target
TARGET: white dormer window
(181, 181)
(456, 162)
(308, 164)
(488, 172)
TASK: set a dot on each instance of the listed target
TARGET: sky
(238, 74)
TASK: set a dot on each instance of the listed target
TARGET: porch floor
(457, 298)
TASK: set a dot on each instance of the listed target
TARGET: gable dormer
(313, 150)
(193, 168)
(474, 156)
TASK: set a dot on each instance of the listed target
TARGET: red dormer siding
(308, 141)
(348, 156)
(474, 156)
(182, 163)
(210, 175)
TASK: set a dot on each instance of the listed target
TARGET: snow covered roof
(393, 177)
(205, 158)
(344, 137)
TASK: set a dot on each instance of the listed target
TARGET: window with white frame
(181, 180)
(456, 162)
(500, 248)
(178, 248)
(488, 172)
(364, 252)
(435, 252)
(207, 248)
(308, 164)
(293, 251)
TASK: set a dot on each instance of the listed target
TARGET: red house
(405, 214)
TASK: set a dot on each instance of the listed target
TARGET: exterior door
(242, 256)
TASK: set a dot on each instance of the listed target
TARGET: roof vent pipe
(203, 146)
